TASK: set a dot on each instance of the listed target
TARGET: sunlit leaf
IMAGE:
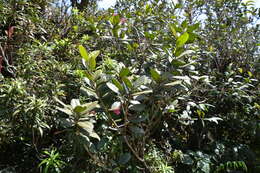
(214, 119)
(173, 30)
(142, 80)
(155, 75)
(142, 92)
(86, 125)
(182, 40)
(112, 87)
(83, 52)
(177, 63)
(65, 110)
(59, 101)
(115, 105)
(89, 92)
(193, 27)
(92, 61)
(79, 109)
(187, 52)
(94, 135)
(115, 19)
(178, 82)
(186, 79)
(90, 106)
(117, 84)
(124, 72)
(127, 82)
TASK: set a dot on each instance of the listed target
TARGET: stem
(135, 154)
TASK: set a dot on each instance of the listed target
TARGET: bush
(143, 87)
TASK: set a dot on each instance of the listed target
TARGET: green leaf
(142, 80)
(89, 92)
(214, 119)
(178, 51)
(80, 73)
(177, 63)
(138, 107)
(59, 101)
(94, 135)
(89, 76)
(179, 5)
(66, 122)
(155, 75)
(204, 166)
(115, 19)
(148, 9)
(173, 30)
(192, 38)
(186, 52)
(124, 72)
(94, 54)
(92, 62)
(83, 52)
(178, 82)
(90, 106)
(97, 75)
(124, 158)
(65, 110)
(115, 31)
(187, 160)
(86, 125)
(184, 24)
(193, 27)
(142, 92)
(112, 87)
(117, 84)
(127, 82)
(79, 109)
(249, 74)
(182, 40)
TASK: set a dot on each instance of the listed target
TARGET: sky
(108, 3)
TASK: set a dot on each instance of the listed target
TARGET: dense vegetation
(154, 86)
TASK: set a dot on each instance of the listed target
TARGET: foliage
(157, 162)
(145, 86)
(52, 162)
(231, 166)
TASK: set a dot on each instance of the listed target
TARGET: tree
(83, 4)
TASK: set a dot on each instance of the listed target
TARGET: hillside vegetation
(143, 87)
